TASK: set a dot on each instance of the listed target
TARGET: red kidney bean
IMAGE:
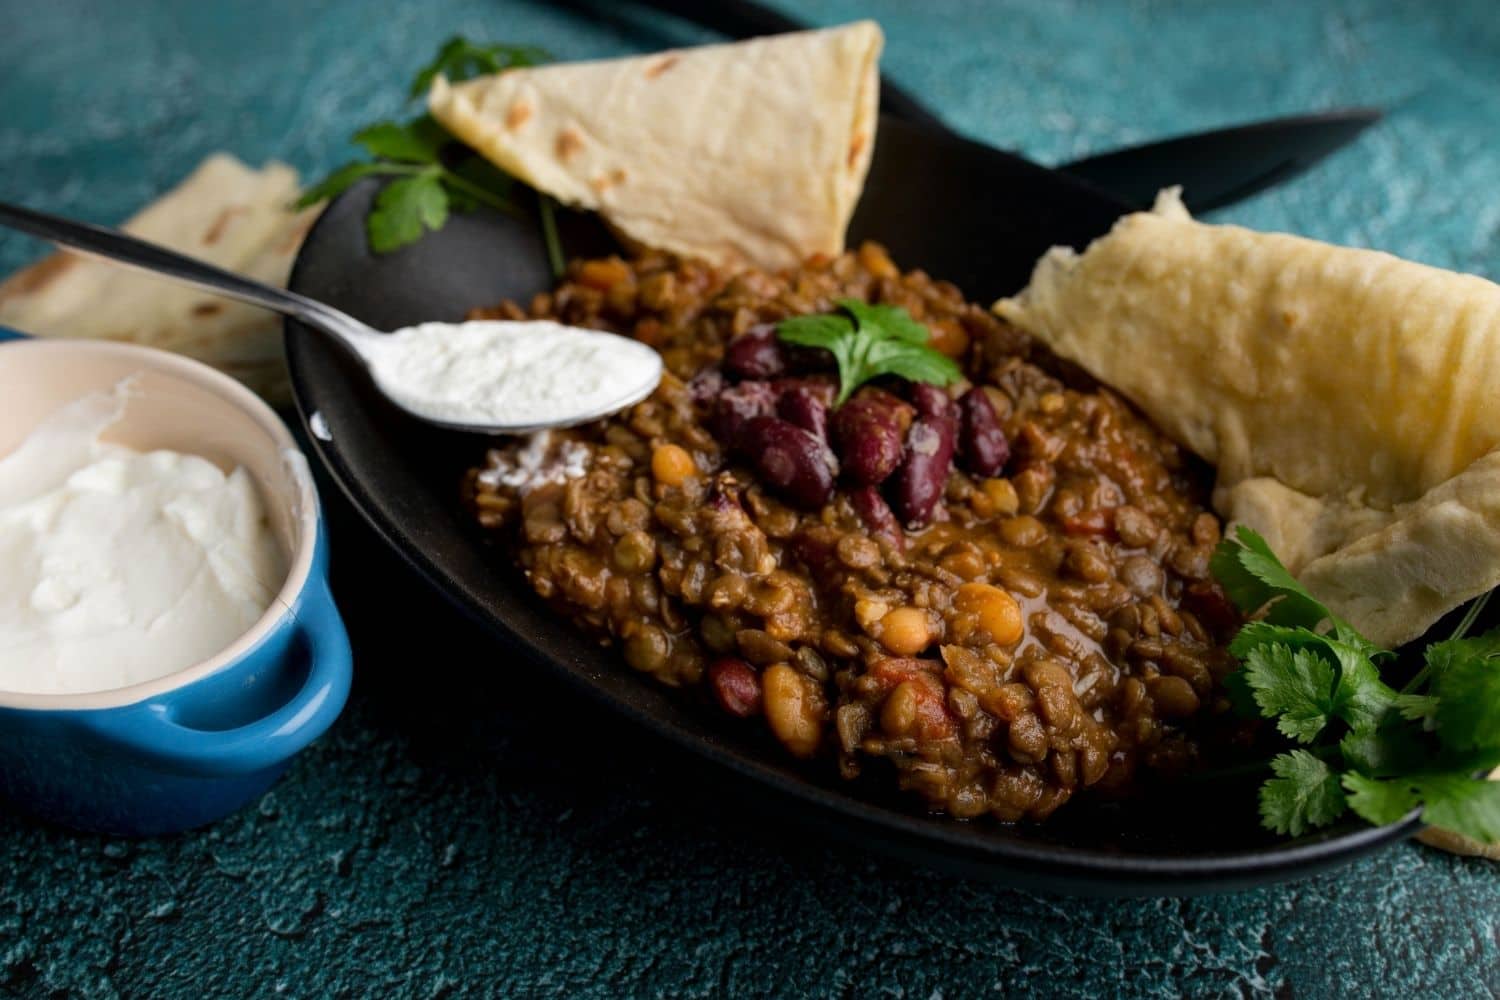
(790, 460)
(806, 406)
(1207, 600)
(706, 386)
(980, 440)
(923, 474)
(736, 407)
(807, 359)
(868, 434)
(736, 686)
(820, 387)
(876, 513)
(756, 353)
(931, 400)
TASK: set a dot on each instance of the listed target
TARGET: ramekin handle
(151, 732)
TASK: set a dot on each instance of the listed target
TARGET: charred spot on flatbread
(38, 277)
(603, 182)
(221, 223)
(659, 67)
(519, 114)
(569, 144)
(856, 150)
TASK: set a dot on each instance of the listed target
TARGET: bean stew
(995, 592)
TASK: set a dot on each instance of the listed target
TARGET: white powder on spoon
(513, 374)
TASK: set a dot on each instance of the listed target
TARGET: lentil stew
(997, 592)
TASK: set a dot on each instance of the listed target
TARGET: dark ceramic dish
(965, 213)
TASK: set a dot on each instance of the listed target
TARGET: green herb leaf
(416, 141)
(1417, 707)
(1468, 806)
(461, 59)
(1386, 750)
(894, 321)
(1254, 580)
(1379, 802)
(1305, 793)
(1295, 687)
(1362, 699)
(815, 331)
(435, 179)
(405, 209)
(341, 180)
(1466, 683)
(1307, 670)
(871, 341)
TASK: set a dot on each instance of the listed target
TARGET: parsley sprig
(432, 173)
(869, 341)
(1366, 746)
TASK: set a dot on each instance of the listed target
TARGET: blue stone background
(438, 843)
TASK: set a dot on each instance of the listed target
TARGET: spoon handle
(99, 241)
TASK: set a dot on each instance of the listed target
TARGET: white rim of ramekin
(307, 525)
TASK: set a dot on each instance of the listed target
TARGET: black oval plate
(964, 212)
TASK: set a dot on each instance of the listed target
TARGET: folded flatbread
(224, 213)
(1350, 399)
(753, 153)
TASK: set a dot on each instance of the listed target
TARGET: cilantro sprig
(1364, 745)
(461, 59)
(869, 341)
(432, 174)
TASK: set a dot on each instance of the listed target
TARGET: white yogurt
(121, 566)
(522, 374)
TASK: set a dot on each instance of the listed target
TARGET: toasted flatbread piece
(1347, 397)
(224, 213)
(753, 153)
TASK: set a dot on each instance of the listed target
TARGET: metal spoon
(359, 339)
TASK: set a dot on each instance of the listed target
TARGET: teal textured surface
(429, 850)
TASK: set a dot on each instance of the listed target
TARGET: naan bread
(224, 213)
(753, 153)
(1350, 399)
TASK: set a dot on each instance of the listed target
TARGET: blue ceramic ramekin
(196, 745)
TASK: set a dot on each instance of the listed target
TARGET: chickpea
(672, 465)
(1022, 532)
(965, 562)
(794, 709)
(603, 274)
(905, 631)
(949, 337)
(1002, 496)
(898, 715)
(997, 612)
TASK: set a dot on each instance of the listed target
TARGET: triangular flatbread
(753, 153)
